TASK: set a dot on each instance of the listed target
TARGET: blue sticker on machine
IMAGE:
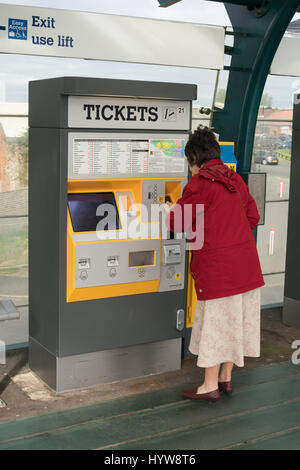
(17, 29)
(227, 155)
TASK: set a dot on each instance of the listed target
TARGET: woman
(226, 270)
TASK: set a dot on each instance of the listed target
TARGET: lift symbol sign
(17, 29)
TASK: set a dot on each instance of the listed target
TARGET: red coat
(228, 262)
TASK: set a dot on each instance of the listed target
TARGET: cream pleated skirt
(226, 329)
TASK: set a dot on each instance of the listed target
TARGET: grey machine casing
(79, 344)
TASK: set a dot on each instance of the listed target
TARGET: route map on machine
(127, 156)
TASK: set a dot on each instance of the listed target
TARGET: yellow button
(161, 199)
(177, 276)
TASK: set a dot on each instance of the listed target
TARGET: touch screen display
(93, 211)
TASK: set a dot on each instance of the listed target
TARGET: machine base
(63, 374)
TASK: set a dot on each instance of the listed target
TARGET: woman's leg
(225, 375)
(210, 380)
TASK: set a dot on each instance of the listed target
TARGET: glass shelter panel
(272, 155)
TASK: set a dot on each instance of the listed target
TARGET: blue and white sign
(17, 29)
(82, 35)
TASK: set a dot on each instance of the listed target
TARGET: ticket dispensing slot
(138, 259)
(172, 191)
(172, 194)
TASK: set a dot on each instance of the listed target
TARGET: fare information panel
(92, 156)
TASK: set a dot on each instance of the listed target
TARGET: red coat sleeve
(183, 214)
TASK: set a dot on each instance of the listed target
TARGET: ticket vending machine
(107, 283)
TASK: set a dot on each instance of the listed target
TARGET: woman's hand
(167, 206)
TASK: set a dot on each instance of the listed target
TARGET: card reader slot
(170, 235)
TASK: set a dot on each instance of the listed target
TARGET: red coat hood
(216, 170)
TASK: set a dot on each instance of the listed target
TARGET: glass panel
(222, 87)
(272, 155)
(278, 92)
(13, 156)
(14, 220)
(17, 70)
(14, 259)
(15, 332)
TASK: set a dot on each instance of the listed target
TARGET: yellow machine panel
(113, 261)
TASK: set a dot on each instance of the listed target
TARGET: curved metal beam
(257, 32)
(256, 40)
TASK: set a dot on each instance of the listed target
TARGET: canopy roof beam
(257, 33)
(251, 59)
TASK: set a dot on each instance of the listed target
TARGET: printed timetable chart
(105, 156)
(127, 156)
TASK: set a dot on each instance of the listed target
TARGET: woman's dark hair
(201, 147)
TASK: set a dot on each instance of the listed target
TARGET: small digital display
(93, 211)
(141, 258)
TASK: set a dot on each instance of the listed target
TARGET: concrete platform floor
(149, 412)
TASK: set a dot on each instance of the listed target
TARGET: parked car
(265, 157)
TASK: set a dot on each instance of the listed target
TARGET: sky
(16, 71)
